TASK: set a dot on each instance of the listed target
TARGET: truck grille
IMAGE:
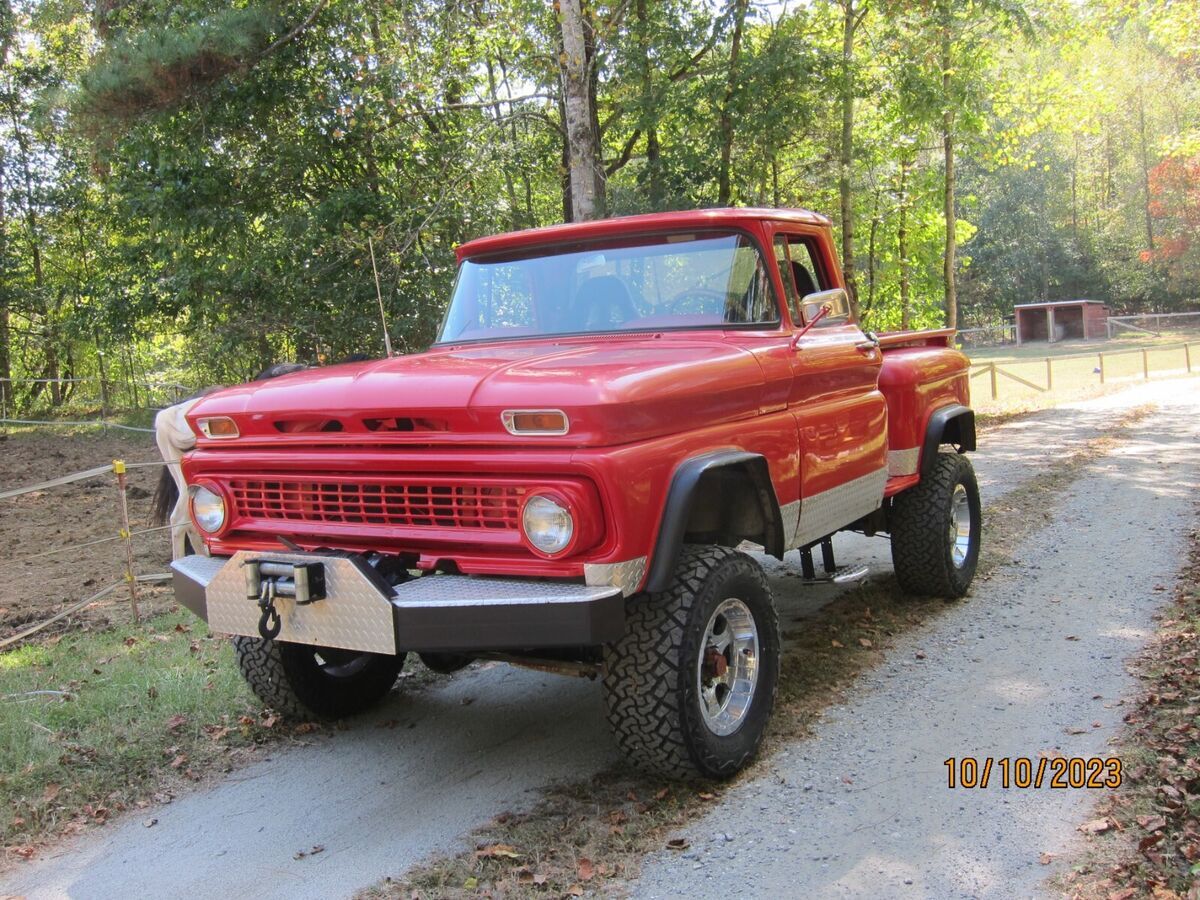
(403, 502)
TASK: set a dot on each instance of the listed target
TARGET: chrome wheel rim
(960, 526)
(727, 667)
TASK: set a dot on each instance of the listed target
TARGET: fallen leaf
(1152, 823)
(1096, 826)
(23, 852)
(705, 796)
(1071, 729)
(575, 890)
(865, 642)
(179, 760)
(920, 654)
(837, 644)
(305, 727)
(50, 792)
(1123, 894)
(491, 851)
(587, 871)
(270, 720)
(678, 843)
(662, 794)
(176, 722)
(1046, 858)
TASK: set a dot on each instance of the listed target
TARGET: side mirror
(836, 299)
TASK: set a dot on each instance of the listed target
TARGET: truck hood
(613, 390)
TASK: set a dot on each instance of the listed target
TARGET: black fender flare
(952, 424)
(678, 506)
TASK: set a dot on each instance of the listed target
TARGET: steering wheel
(696, 301)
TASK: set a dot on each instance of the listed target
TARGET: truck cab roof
(625, 225)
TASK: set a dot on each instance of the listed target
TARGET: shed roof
(1057, 303)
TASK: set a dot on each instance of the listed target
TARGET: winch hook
(269, 623)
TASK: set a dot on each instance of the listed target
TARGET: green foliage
(188, 187)
(160, 68)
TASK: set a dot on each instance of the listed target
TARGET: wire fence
(1021, 378)
(1156, 324)
(123, 536)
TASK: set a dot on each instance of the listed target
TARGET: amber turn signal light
(535, 421)
(218, 427)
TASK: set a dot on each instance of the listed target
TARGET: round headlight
(547, 523)
(208, 509)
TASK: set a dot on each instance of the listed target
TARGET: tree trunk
(902, 247)
(851, 16)
(1145, 158)
(649, 115)
(871, 242)
(725, 124)
(584, 169)
(510, 186)
(6, 396)
(948, 262)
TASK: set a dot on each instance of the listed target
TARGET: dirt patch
(68, 517)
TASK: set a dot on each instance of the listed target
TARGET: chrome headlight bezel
(208, 508)
(548, 524)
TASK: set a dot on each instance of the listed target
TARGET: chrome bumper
(436, 612)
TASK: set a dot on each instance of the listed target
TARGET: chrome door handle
(866, 346)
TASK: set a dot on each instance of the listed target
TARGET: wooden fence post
(130, 578)
(995, 394)
(1049, 376)
(1146, 365)
(1102, 368)
(1187, 355)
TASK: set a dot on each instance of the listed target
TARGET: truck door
(841, 415)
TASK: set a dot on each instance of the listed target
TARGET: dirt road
(860, 807)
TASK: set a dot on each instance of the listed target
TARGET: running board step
(840, 575)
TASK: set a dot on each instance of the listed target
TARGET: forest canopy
(190, 190)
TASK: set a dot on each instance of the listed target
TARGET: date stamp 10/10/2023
(1059, 772)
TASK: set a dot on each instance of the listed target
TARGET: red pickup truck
(569, 476)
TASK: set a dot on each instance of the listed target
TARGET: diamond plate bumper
(434, 612)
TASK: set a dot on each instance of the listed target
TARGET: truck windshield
(668, 281)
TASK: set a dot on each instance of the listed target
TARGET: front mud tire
(302, 682)
(935, 528)
(658, 680)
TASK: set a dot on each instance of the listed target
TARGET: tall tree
(853, 12)
(584, 166)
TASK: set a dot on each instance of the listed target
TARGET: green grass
(96, 722)
(1039, 350)
(1074, 371)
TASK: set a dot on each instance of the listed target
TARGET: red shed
(1061, 320)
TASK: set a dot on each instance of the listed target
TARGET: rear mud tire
(653, 688)
(927, 558)
(302, 682)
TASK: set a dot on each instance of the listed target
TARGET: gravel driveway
(861, 807)
(1033, 662)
